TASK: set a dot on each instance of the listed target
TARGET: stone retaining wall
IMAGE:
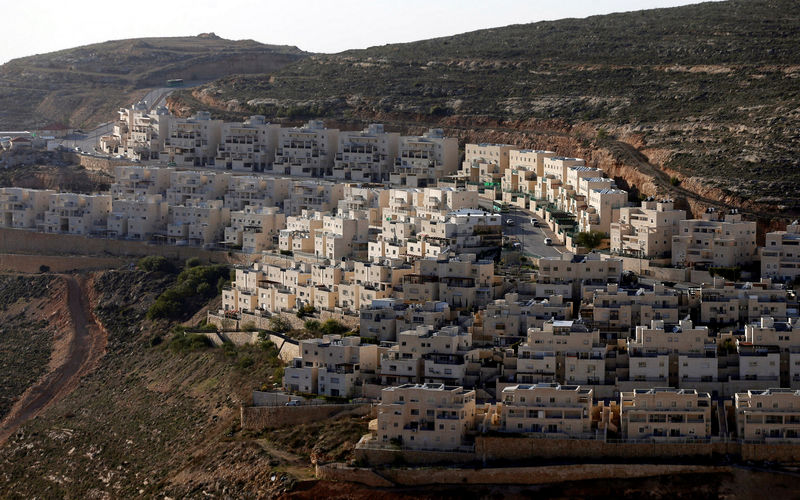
(257, 418)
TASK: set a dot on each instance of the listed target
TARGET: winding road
(86, 345)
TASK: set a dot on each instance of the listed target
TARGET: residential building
(248, 146)
(254, 229)
(771, 415)
(367, 155)
(426, 416)
(546, 408)
(192, 185)
(192, 142)
(77, 213)
(725, 302)
(716, 240)
(576, 271)
(131, 182)
(138, 219)
(562, 351)
(306, 151)
(780, 257)
(422, 160)
(197, 222)
(665, 414)
(23, 208)
(646, 231)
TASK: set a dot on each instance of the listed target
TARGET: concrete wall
(58, 264)
(20, 241)
(288, 349)
(264, 417)
(507, 475)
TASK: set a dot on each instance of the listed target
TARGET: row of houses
(255, 145)
(445, 417)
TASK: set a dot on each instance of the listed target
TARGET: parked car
(293, 402)
(509, 222)
(534, 222)
(548, 241)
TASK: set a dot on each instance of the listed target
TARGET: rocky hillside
(707, 93)
(83, 86)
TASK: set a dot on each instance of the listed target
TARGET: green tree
(313, 325)
(589, 240)
(279, 324)
(333, 327)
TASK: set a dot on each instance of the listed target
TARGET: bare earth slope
(84, 86)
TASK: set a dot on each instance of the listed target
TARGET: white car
(509, 222)
(534, 222)
(548, 242)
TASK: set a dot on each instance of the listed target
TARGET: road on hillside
(531, 238)
(85, 348)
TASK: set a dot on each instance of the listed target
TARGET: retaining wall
(58, 264)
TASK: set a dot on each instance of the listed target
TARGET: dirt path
(86, 345)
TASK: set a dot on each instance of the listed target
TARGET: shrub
(279, 324)
(248, 327)
(155, 263)
(191, 290)
(182, 342)
(589, 240)
(333, 327)
(306, 310)
(192, 262)
(312, 325)
(674, 181)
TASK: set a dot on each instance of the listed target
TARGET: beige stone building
(306, 151)
(255, 192)
(138, 219)
(197, 223)
(312, 195)
(365, 156)
(248, 146)
(193, 185)
(192, 142)
(382, 319)
(253, 229)
(617, 310)
(715, 240)
(646, 231)
(780, 256)
(725, 302)
(664, 414)
(577, 271)
(131, 182)
(138, 133)
(425, 416)
(425, 354)
(73, 213)
(23, 208)
(546, 408)
(771, 415)
(422, 160)
(562, 351)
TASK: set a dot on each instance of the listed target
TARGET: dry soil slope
(83, 86)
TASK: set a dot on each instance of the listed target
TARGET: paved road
(531, 238)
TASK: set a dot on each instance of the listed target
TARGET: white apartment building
(575, 272)
(192, 185)
(367, 155)
(716, 240)
(77, 213)
(546, 408)
(646, 231)
(138, 133)
(655, 349)
(253, 229)
(461, 282)
(614, 309)
(312, 195)
(138, 219)
(192, 142)
(340, 238)
(664, 414)
(426, 355)
(557, 167)
(255, 192)
(771, 415)
(22, 208)
(485, 163)
(562, 351)
(422, 160)
(197, 222)
(725, 302)
(131, 182)
(381, 319)
(248, 146)
(332, 366)
(425, 416)
(780, 256)
(604, 205)
(306, 151)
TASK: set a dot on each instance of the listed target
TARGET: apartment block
(426, 416)
(312, 195)
(461, 282)
(306, 151)
(562, 351)
(191, 185)
(425, 354)
(576, 272)
(771, 415)
(192, 142)
(131, 182)
(255, 192)
(485, 163)
(77, 213)
(253, 229)
(614, 309)
(546, 408)
(646, 231)
(780, 257)
(248, 146)
(716, 240)
(138, 133)
(382, 319)
(197, 222)
(332, 366)
(725, 302)
(530, 160)
(367, 155)
(138, 219)
(683, 354)
(23, 208)
(506, 321)
(604, 205)
(558, 166)
(422, 160)
(664, 414)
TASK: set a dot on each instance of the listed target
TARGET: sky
(313, 25)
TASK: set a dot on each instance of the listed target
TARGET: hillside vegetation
(708, 91)
(84, 86)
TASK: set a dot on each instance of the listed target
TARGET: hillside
(83, 86)
(708, 93)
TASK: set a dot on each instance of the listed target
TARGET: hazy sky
(313, 25)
